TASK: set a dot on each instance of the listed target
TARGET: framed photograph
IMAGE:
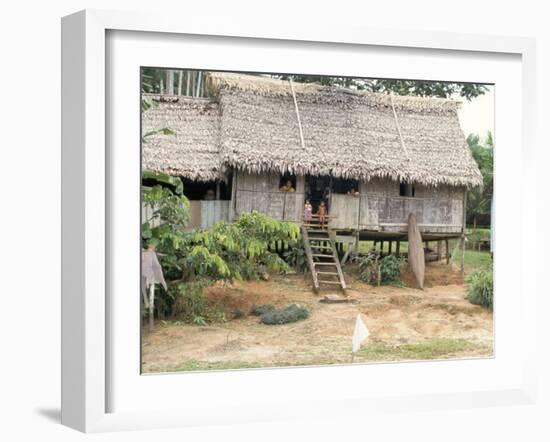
(290, 223)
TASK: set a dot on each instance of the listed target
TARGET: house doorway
(317, 189)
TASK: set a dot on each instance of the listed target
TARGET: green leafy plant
(480, 287)
(295, 256)
(291, 313)
(191, 306)
(194, 260)
(376, 270)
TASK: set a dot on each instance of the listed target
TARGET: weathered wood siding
(261, 193)
(344, 211)
(213, 211)
(194, 215)
(204, 214)
(437, 209)
(379, 206)
(147, 215)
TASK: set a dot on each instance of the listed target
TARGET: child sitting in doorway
(322, 214)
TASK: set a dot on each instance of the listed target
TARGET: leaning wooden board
(416, 251)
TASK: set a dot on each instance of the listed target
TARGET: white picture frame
(89, 337)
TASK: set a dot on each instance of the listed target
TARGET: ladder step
(328, 273)
(320, 255)
(330, 282)
(321, 247)
(325, 264)
(317, 231)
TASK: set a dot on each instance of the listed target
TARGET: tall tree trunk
(170, 82)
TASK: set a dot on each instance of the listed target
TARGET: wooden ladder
(322, 257)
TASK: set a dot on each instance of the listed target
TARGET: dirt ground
(397, 318)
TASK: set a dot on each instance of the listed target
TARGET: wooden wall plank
(344, 211)
(276, 205)
(294, 204)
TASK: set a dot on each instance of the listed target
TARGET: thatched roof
(193, 150)
(346, 133)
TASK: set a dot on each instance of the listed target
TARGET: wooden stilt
(439, 246)
(463, 246)
(447, 254)
(397, 247)
(389, 247)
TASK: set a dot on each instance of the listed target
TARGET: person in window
(210, 195)
(287, 187)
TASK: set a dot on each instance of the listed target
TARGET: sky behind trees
(478, 115)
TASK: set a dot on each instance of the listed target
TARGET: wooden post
(180, 82)
(381, 248)
(217, 190)
(152, 305)
(463, 246)
(447, 254)
(233, 203)
(463, 238)
(439, 246)
(389, 247)
(397, 248)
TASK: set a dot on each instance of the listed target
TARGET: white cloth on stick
(151, 271)
(360, 333)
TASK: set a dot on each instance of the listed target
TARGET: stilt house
(373, 158)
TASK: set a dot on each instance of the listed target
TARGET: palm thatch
(349, 134)
(193, 150)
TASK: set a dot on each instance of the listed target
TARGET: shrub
(373, 269)
(292, 313)
(480, 287)
(191, 306)
(197, 259)
(259, 310)
(295, 256)
(390, 268)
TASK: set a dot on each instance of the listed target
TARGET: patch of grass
(472, 258)
(480, 287)
(438, 348)
(195, 365)
(476, 259)
(433, 349)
